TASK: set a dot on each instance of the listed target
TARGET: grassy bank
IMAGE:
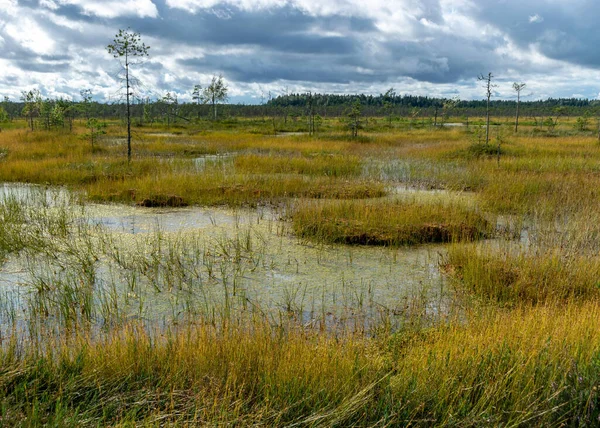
(512, 276)
(479, 373)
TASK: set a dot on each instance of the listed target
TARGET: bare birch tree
(216, 93)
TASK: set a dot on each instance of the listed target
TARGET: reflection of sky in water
(32, 194)
(279, 273)
(143, 220)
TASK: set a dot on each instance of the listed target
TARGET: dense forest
(294, 106)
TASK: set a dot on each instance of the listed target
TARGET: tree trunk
(517, 118)
(214, 103)
(487, 120)
(128, 110)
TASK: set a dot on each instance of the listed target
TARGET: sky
(271, 47)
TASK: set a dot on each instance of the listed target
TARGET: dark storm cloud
(42, 67)
(284, 29)
(269, 67)
(444, 60)
(566, 31)
(428, 41)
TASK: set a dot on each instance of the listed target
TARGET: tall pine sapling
(216, 93)
(354, 118)
(95, 129)
(33, 103)
(128, 48)
(198, 97)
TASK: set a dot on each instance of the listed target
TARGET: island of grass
(391, 222)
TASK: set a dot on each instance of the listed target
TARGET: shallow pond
(162, 265)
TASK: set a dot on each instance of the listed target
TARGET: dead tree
(488, 86)
(518, 87)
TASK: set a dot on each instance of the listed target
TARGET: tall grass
(329, 165)
(528, 366)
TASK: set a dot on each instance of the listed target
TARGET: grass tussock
(536, 193)
(395, 222)
(219, 188)
(512, 277)
(479, 150)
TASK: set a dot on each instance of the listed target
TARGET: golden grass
(266, 168)
(535, 366)
(514, 276)
(389, 222)
(324, 165)
(524, 352)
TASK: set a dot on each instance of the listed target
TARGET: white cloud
(63, 21)
(8, 7)
(536, 19)
(50, 4)
(29, 34)
(195, 5)
(113, 9)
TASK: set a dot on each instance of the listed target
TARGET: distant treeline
(325, 105)
(404, 105)
(298, 100)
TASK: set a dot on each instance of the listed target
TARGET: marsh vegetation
(226, 275)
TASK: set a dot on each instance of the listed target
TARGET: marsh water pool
(163, 265)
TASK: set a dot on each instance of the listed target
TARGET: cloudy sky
(427, 47)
